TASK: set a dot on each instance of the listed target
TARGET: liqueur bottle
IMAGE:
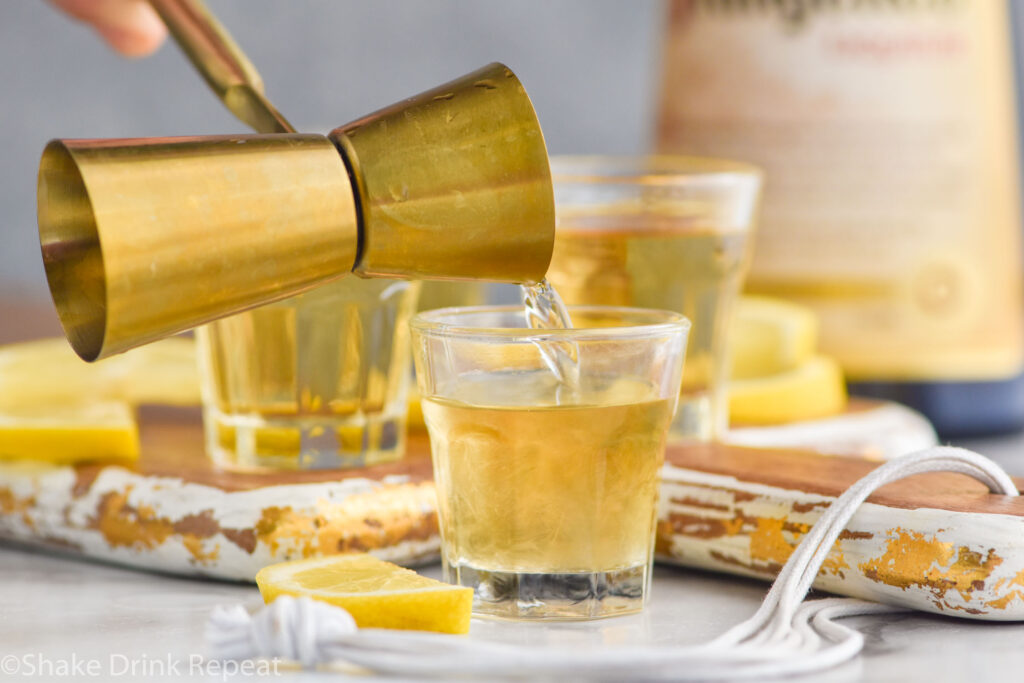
(888, 134)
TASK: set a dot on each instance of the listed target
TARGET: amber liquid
(638, 261)
(545, 310)
(316, 381)
(560, 495)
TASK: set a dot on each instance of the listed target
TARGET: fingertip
(131, 27)
(139, 33)
(132, 43)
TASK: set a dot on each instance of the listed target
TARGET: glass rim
(649, 169)
(429, 323)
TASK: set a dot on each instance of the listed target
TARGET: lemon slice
(377, 594)
(56, 408)
(769, 336)
(103, 430)
(47, 372)
(161, 373)
(814, 389)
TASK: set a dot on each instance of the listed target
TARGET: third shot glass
(661, 232)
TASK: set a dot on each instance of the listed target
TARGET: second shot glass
(318, 381)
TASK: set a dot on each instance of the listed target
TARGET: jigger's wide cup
(661, 232)
(547, 493)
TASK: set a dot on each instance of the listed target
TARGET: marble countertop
(100, 621)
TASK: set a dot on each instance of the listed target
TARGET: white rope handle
(785, 636)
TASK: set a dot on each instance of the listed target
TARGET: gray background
(591, 67)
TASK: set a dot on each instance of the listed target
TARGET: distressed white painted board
(939, 543)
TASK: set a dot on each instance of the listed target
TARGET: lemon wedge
(58, 409)
(812, 390)
(769, 336)
(376, 593)
(47, 372)
(68, 433)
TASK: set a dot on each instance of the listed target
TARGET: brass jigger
(145, 238)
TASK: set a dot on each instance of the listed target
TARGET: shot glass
(546, 492)
(318, 381)
(667, 233)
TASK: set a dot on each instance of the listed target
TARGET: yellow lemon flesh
(812, 390)
(161, 373)
(377, 594)
(47, 372)
(103, 430)
(415, 416)
(769, 336)
(56, 408)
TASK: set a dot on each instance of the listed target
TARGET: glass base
(544, 596)
(245, 442)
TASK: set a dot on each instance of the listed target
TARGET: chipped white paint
(45, 510)
(967, 564)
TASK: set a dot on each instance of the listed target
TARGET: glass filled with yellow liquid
(317, 381)
(662, 232)
(548, 480)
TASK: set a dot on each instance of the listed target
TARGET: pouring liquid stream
(545, 310)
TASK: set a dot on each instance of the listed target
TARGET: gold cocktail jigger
(145, 238)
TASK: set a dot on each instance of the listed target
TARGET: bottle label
(887, 132)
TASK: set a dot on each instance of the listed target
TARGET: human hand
(129, 26)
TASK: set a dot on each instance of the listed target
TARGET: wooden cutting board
(935, 542)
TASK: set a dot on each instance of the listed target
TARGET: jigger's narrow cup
(547, 488)
(661, 232)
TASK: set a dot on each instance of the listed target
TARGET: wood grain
(172, 446)
(830, 476)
